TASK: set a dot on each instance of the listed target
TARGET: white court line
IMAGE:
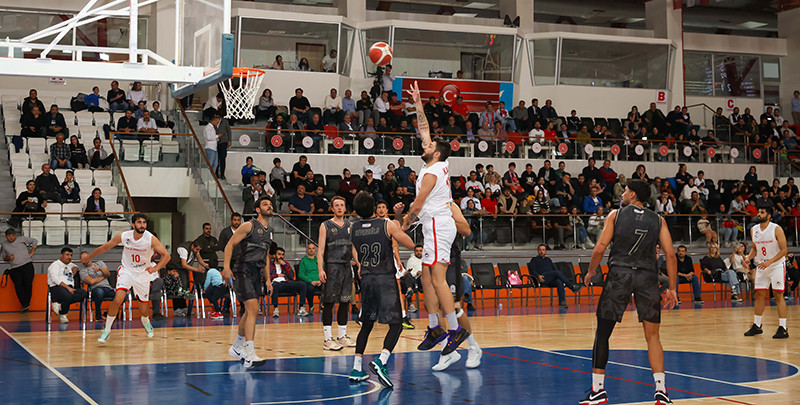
(53, 370)
(667, 372)
(375, 386)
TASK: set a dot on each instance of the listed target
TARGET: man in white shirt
(409, 283)
(61, 280)
(211, 137)
(211, 106)
(388, 78)
(688, 189)
(470, 197)
(377, 171)
(536, 134)
(146, 124)
(136, 94)
(382, 107)
(329, 62)
(473, 182)
(333, 108)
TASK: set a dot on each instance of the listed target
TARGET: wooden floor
(703, 329)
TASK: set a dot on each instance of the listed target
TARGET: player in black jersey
(380, 297)
(252, 241)
(633, 232)
(336, 274)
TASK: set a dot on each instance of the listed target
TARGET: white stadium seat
(55, 231)
(98, 232)
(76, 231)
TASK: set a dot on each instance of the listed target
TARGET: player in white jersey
(432, 208)
(136, 271)
(769, 250)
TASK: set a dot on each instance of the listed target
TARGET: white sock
(404, 313)
(239, 342)
(471, 341)
(357, 363)
(385, 356)
(109, 322)
(145, 320)
(659, 380)
(327, 331)
(452, 321)
(597, 381)
(342, 331)
(433, 320)
(757, 320)
(782, 322)
(249, 347)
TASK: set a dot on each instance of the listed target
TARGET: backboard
(204, 40)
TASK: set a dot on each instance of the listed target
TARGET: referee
(632, 271)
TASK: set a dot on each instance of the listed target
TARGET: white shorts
(439, 234)
(128, 279)
(774, 276)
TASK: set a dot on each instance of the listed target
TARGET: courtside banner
(475, 93)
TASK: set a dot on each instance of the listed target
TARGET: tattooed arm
(422, 121)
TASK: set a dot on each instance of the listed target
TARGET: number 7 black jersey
(636, 232)
(373, 245)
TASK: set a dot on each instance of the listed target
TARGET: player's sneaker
(457, 337)
(276, 313)
(56, 307)
(302, 312)
(594, 398)
(357, 376)
(445, 361)
(237, 352)
(407, 323)
(148, 328)
(252, 361)
(781, 333)
(216, 316)
(104, 336)
(346, 341)
(412, 308)
(474, 355)
(331, 344)
(63, 319)
(379, 369)
(662, 398)
(432, 338)
(754, 330)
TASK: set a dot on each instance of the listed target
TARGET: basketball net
(241, 99)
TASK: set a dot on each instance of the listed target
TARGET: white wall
(168, 182)
(606, 102)
(693, 41)
(195, 212)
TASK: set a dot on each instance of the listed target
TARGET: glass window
(543, 60)
(262, 41)
(369, 37)
(699, 73)
(613, 64)
(425, 53)
(346, 49)
(737, 76)
(772, 68)
(519, 53)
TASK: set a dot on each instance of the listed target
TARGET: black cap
(11, 231)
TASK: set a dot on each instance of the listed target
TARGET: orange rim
(245, 72)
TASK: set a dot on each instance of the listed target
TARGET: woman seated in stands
(69, 190)
(78, 154)
(161, 120)
(95, 204)
(28, 201)
(266, 106)
(303, 65)
(278, 64)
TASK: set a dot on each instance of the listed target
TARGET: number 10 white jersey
(136, 254)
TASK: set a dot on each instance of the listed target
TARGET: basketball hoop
(240, 100)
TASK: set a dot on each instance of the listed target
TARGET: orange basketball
(380, 53)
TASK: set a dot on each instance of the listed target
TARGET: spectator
(212, 137)
(534, 113)
(591, 171)
(507, 203)
(99, 158)
(127, 125)
(565, 192)
(348, 187)
(371, 185)
(333, 108)
(665, 204)
(377, 170)
(300, 170)
(686, 273)
(299, 106)
(737, 260)
(136, 95)
(55, 122)
(116, 99)
(278, 63)
(18, 251)
(159, 117)
(460, 112)
(185, 254)
(32, 101)
(227, 233)
(223, 128)
(215, 292)
(308, 182)
(277, 176)
(212, 107)
(47, 184)
(409, 283)
(641, 173)
(69, 189)
(536, 134)
(580, 233)
(249, 169)
(796, 107)
(61, 280)
(209, 245)
(592, 202)
(520, 116)
(561, 227)
(715, 270)
(511, 179)
(29, 201)
(328, 63)
(78, 158)
(283, 282)
(92, 100)
(728, 231)
(596, 224)
(488, 114)
(704, 226)
(96, 205)
(308, 273)
(473, 212)
(33, 126)
(321, 203)
(266, 106)
(583, 136)
(634, 119)
(178, 291)
(364, 108)
(545, 272)
(348, 104)
(607, 175)
(303, 65)
(250, 195)
(654, 118)
(95, 275)
(751, 180)
(60, 154)
(301, 203)
(735, 116)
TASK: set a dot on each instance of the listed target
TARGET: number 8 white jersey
(136, 254)
(766, 244)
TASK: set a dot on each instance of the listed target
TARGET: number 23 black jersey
(374, 246)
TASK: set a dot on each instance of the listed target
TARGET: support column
(789, 29)
(353, 9)
(521, 8)
(666, 21)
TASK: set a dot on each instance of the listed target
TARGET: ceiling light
(104, 57)
(751, 25)
(467, 15)
(478, 5)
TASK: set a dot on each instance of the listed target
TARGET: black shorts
(380, 299)
(616, 295)
(455, 280)
(247, 281)
(339, 285)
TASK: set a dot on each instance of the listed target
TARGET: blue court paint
(507, 375)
